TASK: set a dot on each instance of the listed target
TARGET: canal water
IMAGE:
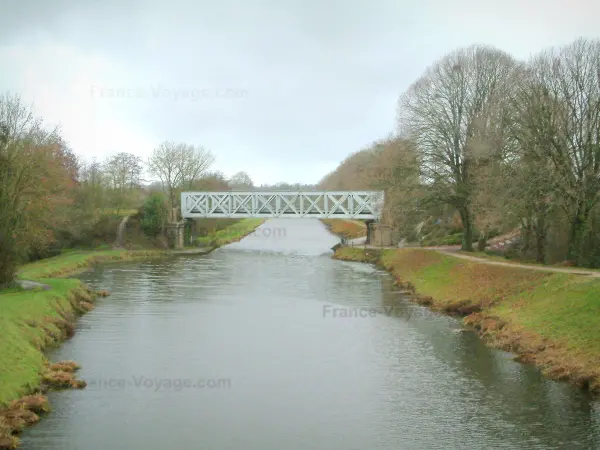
(269, 344)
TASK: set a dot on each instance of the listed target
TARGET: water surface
(239, 349)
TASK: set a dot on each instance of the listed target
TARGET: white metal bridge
(309, 204)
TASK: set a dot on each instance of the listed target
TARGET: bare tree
(211, 181)
(179, 166)
(454, 113)
(532, 194)
(240, 181)
(122, 172)
(394, 168)
(492, 199)
(353, 173)
(561, 126)
(92, 185)
(391, 165)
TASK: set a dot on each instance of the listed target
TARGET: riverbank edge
(497, 302)
(345, 228)
(38, 319)
(27, 373)
(228, 235)
(74, 262)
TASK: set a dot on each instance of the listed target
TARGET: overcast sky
(282, 89)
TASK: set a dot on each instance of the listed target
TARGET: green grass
(229, 234)
(22, 315)
(452, 239)
(349, 229)
(122, 213)
(357, 254)
(565, 307)
(433, 280)
(72, 261)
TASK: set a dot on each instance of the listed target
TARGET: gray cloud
(286, 88)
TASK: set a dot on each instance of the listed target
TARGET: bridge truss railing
(318, 204)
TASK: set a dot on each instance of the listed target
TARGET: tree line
(51, 198)
(487, 144)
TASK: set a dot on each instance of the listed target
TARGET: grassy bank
(549, 319)
(33, 320)
(30, 322)
(349, 229)
(73, 261)
(230, 234)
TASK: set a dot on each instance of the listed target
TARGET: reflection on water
(236, 350)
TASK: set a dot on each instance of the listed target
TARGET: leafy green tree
(154, 214)
(37, 178)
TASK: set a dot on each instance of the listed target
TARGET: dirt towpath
(574, 271)
(453, 251)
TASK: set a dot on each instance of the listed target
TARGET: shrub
(154, 214)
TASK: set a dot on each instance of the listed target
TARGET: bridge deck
(318, 204)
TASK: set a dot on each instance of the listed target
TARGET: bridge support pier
(175, 234)
(380, 235)
(369, 224)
